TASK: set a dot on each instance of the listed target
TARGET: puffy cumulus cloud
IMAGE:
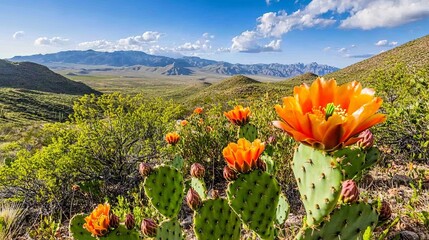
(55, 41)
(204, 43)
(164, 51)
(393, 43)
(146, 37)
(248, 42)
(18, 34)
(385, 13)
(381, 43)
(97, 45)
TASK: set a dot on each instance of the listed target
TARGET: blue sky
(332, 32)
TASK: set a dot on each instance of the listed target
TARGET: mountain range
(172, 66)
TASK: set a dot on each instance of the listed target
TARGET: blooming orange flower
(198, 110)
(243, 155)
(172, 138)
(183, 123)
(239, 115)
(98, 221)
(327, 116)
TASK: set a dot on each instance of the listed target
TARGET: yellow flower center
(328, 111)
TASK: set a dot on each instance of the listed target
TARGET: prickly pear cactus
(165, 189)
(347, 222)
(371, 158)
(200, 187)
(282, 210)
(216, 220)
(169, 230)
(249, 132)
(319, 182)
(76, 228)
(122, 233)
(352, 160)
(254, 197)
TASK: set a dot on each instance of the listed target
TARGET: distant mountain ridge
(33, 76)
(174, 66)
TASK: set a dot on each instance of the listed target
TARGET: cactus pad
(122, 233)
(372, 157)
(200, 187)
(249, 132)
(282, 210)
(76, 228)
(319, 182)
(164, 187)
(347, 222)
(254, 197)
(352, 161)
(169, 230)
(216, 220)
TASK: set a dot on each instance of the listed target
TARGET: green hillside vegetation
(414, 55)
(32, 76)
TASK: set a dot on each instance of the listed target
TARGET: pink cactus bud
(149, 227)
(385, 211)
(130, 223)
(114, 221)
(349, 192)
(261, 165)
(366, 139)
(197, 170)
(193, 199)
(229, 174)
(145, 169)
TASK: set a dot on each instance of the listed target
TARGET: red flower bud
(114, 221)
(229, 174)
(145, 169)
(149, 227)
(197, 170)
(385, 211)
(349, 192)
(366, 139)
(130, 223)
(193, 199)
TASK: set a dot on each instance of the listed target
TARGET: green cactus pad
(352, 161)
(216, 220)
(249, 132)
(319, 182)
(372, 157)
(169, 230)
(164, 187)
(347, 222)
(254, 197)
(200, 187)
(76, 229)
(282, 210)
(122, 233)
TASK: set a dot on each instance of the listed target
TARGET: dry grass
(10, 216)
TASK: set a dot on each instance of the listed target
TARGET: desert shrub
(406, 103)
(97, 152)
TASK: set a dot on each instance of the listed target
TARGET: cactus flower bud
(149, 227)
(366, 139)
(229, 174)
(214, 194)
(349, 192)
(193, 199)
(385, 212)
(130, 223)
(197, 170)
(114, 221)
(145, 169)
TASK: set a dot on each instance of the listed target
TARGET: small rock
(408, 235)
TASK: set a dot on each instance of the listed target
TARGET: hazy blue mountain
(176, 66)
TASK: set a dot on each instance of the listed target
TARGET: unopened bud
(114, 221)
(349, 192)
(366, 139)
(261, 165)
(145, 169)
(385, 211)
(197, 170)
(130, 223)
(214, 194)
(229, 174)
(193, 199)
(149, 227)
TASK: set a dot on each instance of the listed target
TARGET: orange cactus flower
(239, 115)
(329, 117)
(243, 155)
(183, 123)
(172, 138)
(198, 110)
(98, 221)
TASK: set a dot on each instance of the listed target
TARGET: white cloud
(97, 45)
(223, 49)
(248, 42)
(327, 49)
(55, 41)
(343, 50)
(393, 43)
(207, 35)
(381, 43)
(18, 34)
(268, 2)
(385, 13)
(203, 43)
